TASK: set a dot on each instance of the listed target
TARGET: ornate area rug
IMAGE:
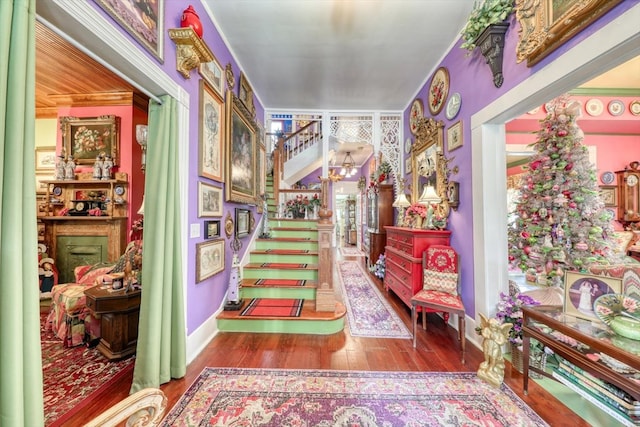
(72, 376)
(351, 251)
(277, 397)
(368, 312)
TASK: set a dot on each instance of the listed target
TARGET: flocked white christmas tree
(560, 223)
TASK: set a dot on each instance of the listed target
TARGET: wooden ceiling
(65, 76)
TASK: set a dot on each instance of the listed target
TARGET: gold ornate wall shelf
(191, 50)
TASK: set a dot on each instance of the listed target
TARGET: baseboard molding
(201, 337)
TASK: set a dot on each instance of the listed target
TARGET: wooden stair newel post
(325, 296)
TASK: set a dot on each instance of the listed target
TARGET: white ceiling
(338, 54)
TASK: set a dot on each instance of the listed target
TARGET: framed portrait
(212, 124)
(548, 24)
(143, 20)
(454, 136)
(45, 158)
(242, 222)
(241, 153)
(609, 195)
(581, 290)
(211, 229)
(209, 259)
(209, 200)
(211, 72)
(87, 137)
(438, 90)
(245, 93)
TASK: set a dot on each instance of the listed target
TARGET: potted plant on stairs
(486, 28)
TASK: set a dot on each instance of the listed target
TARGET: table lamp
(429, 198)
(401, 203)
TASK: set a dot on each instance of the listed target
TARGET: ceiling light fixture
(348, 166)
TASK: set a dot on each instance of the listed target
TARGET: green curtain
(161, 351)
(21, 401)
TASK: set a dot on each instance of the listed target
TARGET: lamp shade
(429, 195)
(401, 201)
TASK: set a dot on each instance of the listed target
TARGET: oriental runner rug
(273, 307)
(279, 397)
(351, 251)
(368, 312)
(267, 283)
(74, 376)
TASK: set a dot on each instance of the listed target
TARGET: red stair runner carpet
(279, 282)
(273, 307)
(282, 265)
(73, 377)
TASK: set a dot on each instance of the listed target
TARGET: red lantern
(191, 19)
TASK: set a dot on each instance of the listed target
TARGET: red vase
(191, 19)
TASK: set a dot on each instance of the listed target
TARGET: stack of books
(611, 399)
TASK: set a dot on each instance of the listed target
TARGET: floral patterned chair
(69, 318)
(441, 289)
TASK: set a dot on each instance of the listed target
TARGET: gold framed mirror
(428, 163)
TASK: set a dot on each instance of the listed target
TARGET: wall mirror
(428, 163)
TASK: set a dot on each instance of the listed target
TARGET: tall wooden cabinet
(404, 250)
(379, 216)
(629, 194)
(350, 222)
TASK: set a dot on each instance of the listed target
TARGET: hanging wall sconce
(141, 137)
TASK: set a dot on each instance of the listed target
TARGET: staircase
(281, 268)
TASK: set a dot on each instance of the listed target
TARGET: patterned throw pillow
(440, 281)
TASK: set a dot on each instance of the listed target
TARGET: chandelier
(348, 166)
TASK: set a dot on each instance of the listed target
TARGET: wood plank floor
(437, 350)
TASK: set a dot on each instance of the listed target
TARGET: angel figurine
(495, 335)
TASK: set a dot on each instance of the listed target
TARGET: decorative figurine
(60, 167)
(70, 169)
(234, 302)
(494, 336)
(97, 167)
(107, 165)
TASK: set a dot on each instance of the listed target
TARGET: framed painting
(209, 200)
(609, 195)
(212, 124)
(242, 222)
(45, 158)
(581, 290)
(209, 259)
(548, 24)
(241, 153)
(143, 20)
(245, 93)
(454, 136)
(438, 90)
(211, 72)
(85, 138)
(211, 229)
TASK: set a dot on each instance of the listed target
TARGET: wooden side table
(119, 313)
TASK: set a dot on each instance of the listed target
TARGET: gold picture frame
(213, 74)
(85, 138)
(546, 25)
(209, 259)
(581, 290)
(45, 158)
(426, 157)
(454, 136)
(209, 200)
(438, 90)
(241, 176)
(211, 119)
(609, 195)
(245, 93)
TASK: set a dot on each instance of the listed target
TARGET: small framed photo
(609, 195)
(212, 73)
(209, 259)
(581, 290)
(454, 136)
(242, 222)
(209, 200)
(45, 158)
(211, 229)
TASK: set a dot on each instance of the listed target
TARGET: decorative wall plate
(594, 107)
(453, 106)
(634, 107)
(438, 90)
(616, 107)
(407, 146)
(607, 177)
(57, 191)
(415, 114)
(119, 190)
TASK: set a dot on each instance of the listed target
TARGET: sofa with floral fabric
(69, 318)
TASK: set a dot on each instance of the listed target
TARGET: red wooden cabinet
(404, 250)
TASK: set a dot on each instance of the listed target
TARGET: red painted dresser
(404, 250)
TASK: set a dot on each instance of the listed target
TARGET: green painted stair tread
(285, 252)
(288, 239)
(279, 283)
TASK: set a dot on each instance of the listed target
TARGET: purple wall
(471, 77)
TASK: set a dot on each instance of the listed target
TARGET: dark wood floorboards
(437, 350)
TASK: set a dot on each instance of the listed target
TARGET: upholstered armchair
(441, 289)
(69, 318)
